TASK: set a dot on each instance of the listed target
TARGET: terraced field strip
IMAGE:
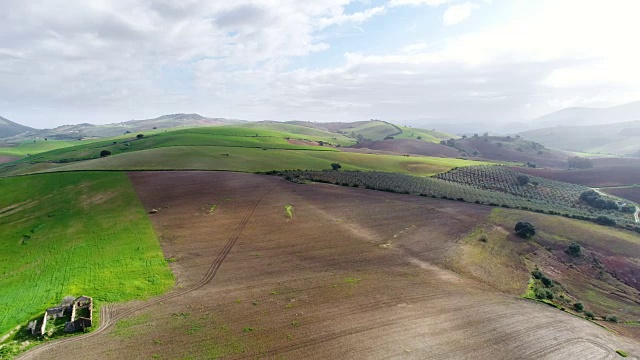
(108, 318)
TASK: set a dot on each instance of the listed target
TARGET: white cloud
(393, 3)
(341, 18)
(456, 14)
(94, 59)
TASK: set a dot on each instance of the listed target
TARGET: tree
(523, 180)
(606, 221)
(574, 249)
(419, 138)
(335, 166)
(139, 136)
(104, 153)
(577, 162)
(525, 229)
(578, 307)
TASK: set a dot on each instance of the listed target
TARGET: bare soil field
(351, 273)
(629, 193)
(605, 172)
(7, 159)
(490, 151)
(410, 146)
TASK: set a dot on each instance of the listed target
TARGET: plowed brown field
(354, 274)
(6, 159)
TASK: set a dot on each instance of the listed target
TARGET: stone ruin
(80, 312)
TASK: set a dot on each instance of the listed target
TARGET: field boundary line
(108, 318)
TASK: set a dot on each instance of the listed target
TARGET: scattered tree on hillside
(606, 221)
(532, 165)
(389, 137)
(104, 153)
(499, 144)
(594, 199)
(335, 166)
(464, 136)
(475, 135)
(139, 136)
(578, 307)
(321, 143)
(419, 138)
(523, 180)
(574, 249)
(525, 229)
(577, 162)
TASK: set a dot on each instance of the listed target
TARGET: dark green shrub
(574, 249)
(525, 229)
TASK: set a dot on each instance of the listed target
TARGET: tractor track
(107, 316)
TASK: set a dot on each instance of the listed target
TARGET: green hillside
(301, 131)
(9, 128)
(424, 135)
(257, 160)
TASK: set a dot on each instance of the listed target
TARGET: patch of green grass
(288, 211)
(92, 237)
(126, 328)
(351, 280)
(247, 329)
(424, 135)
(213, 208)
(622, 353)
(39, 146)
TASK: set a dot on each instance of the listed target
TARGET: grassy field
(301, 131)
(39, 146)
(374, 130)
(216, 136)
(425, 135)
(259, 160)
(74, 234)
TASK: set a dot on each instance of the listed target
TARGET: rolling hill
(580, 116)
(86, 130)
(619, 138)
(9, 128)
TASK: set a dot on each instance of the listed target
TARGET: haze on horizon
(100, 61)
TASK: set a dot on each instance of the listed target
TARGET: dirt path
(636, 215)
(108, 318)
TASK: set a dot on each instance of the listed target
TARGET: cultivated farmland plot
(351, 273)
(492, 185)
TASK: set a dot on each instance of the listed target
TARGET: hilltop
(86, 130)
(618, 138)
(580, 116)
(10, 128)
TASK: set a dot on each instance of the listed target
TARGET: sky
(101, 61)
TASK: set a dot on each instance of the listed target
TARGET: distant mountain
(580, 116)
(85, 130)
(619, 138)
(9, 128)
(468, 127)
